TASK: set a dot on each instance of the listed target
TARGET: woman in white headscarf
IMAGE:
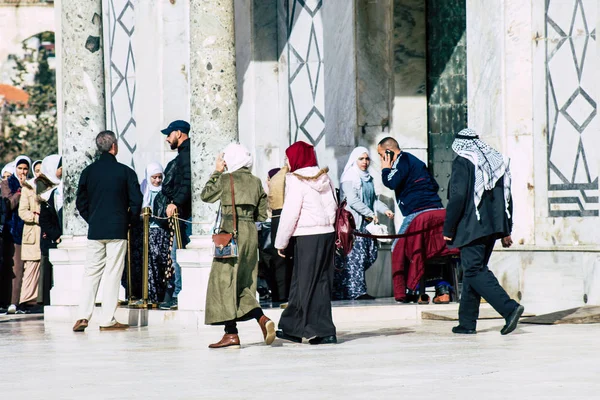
(50, 195)
(36, 168)
(8, 170)
(159, 261)
(11, 191)
(231, 294)
(29, 212)
(358, 188)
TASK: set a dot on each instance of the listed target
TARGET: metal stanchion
(129, 283)
(146, 215)
(177, 229)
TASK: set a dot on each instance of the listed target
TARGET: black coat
(461, 221)
(50, 224)
(108, 198)
(177, 185)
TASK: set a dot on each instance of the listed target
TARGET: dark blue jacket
(414, 186)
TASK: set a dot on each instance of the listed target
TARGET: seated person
(415, 188)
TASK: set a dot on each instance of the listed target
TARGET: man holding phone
(415, 188)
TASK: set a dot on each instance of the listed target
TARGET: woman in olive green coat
(231, 294)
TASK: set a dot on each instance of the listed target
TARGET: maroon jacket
(424, 240)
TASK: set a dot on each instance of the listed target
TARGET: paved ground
(409, 360)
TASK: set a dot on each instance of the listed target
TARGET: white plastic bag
(378, 230)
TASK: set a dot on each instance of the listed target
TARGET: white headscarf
(36, 162)
(22, 158)
(50, 166)
(352, 173)
(10, 167)
(490, 165)
(237, 156)
(147, 187)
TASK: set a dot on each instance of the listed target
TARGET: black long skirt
(308, 313)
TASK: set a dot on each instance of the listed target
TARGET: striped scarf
(490, 165)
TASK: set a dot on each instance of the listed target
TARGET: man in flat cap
(177, 189)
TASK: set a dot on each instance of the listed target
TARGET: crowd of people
(31, 211)
(298, 208)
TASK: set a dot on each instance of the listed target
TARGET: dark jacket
(461, 222)
(108, 198)
(50, 224)
(11, 194)
(414, 186)
(177, 185)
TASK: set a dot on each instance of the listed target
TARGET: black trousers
(308, 313)
(478, 282)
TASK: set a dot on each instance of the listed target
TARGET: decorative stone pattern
(81, 99)
(306, 71)
(120, 78)
(446, 83)
(213, 96)
(572, 95)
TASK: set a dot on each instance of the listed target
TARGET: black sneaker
(464, 331)
(165, 305)
(174, 303)
(285, 336)
(324, 340)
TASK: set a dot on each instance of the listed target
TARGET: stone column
(82, 115)
(213, 112)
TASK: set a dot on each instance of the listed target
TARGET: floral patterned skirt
(349, 276)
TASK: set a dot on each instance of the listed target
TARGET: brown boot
(228, 340)
(268, 329)
(80, 325)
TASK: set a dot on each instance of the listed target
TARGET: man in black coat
(479, 212)
(177, 189)
(109, 200)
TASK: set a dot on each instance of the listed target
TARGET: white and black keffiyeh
(490, 165)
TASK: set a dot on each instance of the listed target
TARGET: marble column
(82, 115)
(214, 122)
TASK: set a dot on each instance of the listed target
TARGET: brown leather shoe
(80, 325)
(268, 329)
(228, 340)
(442, 299)
(116, 327)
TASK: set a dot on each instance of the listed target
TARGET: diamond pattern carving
(571, 68)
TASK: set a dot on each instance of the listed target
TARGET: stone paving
(403, 360)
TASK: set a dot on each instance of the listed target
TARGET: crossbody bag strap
(233, 205)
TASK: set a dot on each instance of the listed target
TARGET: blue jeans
(185, 233)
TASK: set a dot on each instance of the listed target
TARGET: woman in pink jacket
(308, 217)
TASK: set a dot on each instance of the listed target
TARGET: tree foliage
(31, 128)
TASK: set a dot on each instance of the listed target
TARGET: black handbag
(225, 244)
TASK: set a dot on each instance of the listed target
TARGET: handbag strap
(233, 205)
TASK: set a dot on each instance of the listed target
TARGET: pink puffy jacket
(309, 206)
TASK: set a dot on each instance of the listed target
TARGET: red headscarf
(301, 155)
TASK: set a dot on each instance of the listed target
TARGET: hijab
(301, 155)
(47, 180)
(36, 162)
(147, 187)
(490, 165)
(10, 167)
(237, 156)
(273, 172)
(352, 172)
(50, 165)
(22, 160)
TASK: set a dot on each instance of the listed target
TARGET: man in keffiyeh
(479, 212)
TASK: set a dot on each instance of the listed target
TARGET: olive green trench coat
(231, 293)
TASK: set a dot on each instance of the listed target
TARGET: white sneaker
(12, 309)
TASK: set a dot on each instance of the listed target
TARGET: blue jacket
(414, 186)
